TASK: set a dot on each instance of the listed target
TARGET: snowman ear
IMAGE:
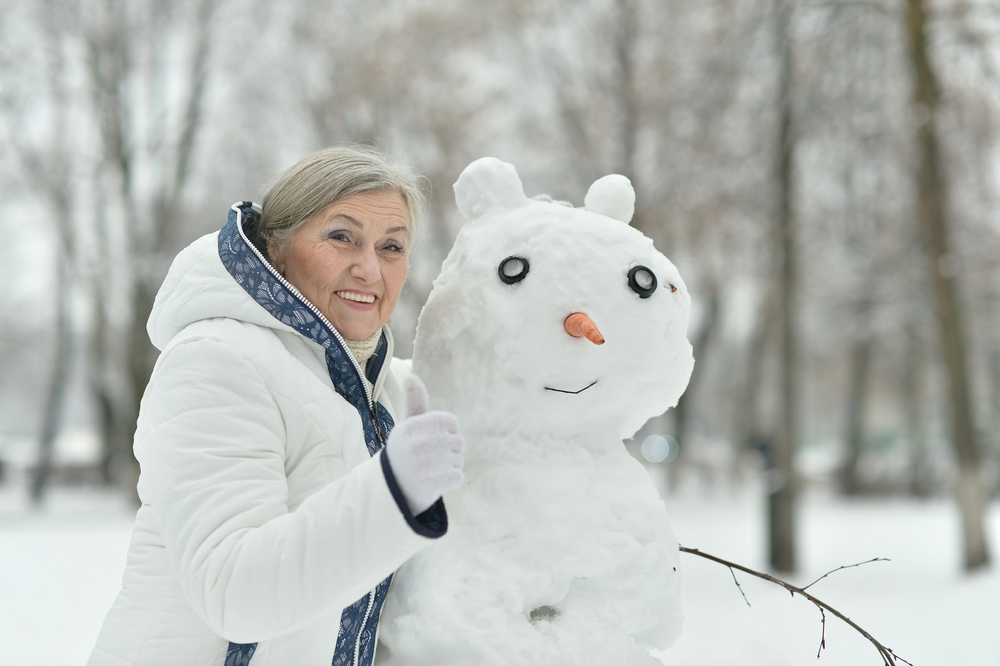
(488, 184)
(612, 196)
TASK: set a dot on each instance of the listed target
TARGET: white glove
(425, 450)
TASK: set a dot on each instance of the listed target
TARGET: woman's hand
(425, 450)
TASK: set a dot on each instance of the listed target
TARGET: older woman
(275, 502)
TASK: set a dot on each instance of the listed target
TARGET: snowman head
(552, 320)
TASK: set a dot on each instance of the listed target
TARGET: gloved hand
(425, 450)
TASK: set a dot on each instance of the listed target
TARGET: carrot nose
(579, 325)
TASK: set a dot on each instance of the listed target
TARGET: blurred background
(822, 172)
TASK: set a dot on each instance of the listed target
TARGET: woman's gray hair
(330, 175)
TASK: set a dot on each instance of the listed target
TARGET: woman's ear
(275, 255)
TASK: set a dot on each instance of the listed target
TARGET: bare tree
(46, 165)
(148, 133)
(933, 216)
(784, 491)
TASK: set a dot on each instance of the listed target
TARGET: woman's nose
(580, 325)
(366, 267)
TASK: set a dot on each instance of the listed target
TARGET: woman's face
(350, 261)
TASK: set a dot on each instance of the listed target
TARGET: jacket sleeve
(211, 449)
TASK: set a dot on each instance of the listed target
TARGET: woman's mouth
(356, 296)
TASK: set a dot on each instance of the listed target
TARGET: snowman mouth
(549, 388)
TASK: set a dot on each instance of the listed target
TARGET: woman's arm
(211, 447)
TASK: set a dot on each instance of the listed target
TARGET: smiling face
(350, 260)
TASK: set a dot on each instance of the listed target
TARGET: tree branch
(889, 658)
(846, 566)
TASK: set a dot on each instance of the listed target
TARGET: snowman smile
(549, 388)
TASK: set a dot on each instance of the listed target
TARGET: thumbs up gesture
(425, 450)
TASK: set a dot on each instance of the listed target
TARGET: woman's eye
(338, 236)
(513, 269)
(642, 281)
(392, 247)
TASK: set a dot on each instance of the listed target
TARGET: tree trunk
(109, 66)
(46, 167)
(991, 449)
(857, 398)
(932, 212)
(681, 411)
(55, 399)
(783, 490)
(747, 436)
(625, 37)
(913, 392)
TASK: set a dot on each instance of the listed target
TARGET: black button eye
(642, 281)
(513, 269)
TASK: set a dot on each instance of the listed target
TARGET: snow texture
(559, 549)
(61, 567)
(612, 196)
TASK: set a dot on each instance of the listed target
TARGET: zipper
(361, 631)
(378, 625)
(378, 428)
(312, 308)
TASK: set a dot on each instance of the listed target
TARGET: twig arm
(889, 658)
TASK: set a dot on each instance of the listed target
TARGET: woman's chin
(352, 329)
(352, 322)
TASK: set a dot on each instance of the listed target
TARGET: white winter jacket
(264, 514)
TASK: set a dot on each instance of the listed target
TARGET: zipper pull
(378, 428)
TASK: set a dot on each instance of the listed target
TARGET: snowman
(553, 333)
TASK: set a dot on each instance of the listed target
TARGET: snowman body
(558, 550)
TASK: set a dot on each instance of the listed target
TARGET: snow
(919, 604)
(559, 548)
(613, 196)
(61, 568)
(484, 343)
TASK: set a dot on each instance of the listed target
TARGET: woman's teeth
(360, 298)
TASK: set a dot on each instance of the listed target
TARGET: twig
(846, 566)
(889, 658)
(822, 637)
(738, 586)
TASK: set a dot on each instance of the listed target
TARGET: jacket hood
(225, 275)
(199, 286)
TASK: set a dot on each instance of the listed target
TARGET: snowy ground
(919, 604)
(60, 570)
